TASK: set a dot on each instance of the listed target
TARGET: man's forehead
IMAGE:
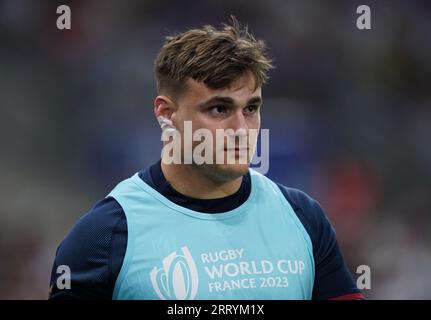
(241, 89)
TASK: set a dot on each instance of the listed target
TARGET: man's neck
(190, 182)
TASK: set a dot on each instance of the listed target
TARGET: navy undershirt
(155, 178)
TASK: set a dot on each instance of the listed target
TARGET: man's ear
(164, 106)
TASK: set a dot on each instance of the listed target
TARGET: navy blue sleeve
(94, 251)
(332, 280)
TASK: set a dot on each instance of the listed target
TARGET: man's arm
(94, 251)
(332, 277)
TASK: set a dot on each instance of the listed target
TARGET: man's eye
(251, 108)
(218, 110)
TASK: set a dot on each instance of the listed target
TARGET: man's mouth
(236, 150)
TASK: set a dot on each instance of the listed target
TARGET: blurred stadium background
(349, 114)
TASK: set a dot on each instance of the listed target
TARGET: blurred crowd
(349, 113)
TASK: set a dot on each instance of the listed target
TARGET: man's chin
(228, 172)
(223, 172)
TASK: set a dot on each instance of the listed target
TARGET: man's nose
(238, 121)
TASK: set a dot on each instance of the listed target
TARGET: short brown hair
(215, 57)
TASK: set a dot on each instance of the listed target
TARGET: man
(212, 230)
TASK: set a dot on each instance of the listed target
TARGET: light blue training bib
(259, 250)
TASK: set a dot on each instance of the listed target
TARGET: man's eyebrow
(228, 100)
(217, 99)
(255, 100)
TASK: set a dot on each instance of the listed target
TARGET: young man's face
(236, 108)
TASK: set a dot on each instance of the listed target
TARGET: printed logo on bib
(177, 279)
(228, 270)
(220, 271)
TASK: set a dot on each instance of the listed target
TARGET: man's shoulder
(105, 214)
(92, 233)
(308, 210)
(297, 198)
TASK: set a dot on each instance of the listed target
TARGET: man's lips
(236, 149)
(237, 152)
